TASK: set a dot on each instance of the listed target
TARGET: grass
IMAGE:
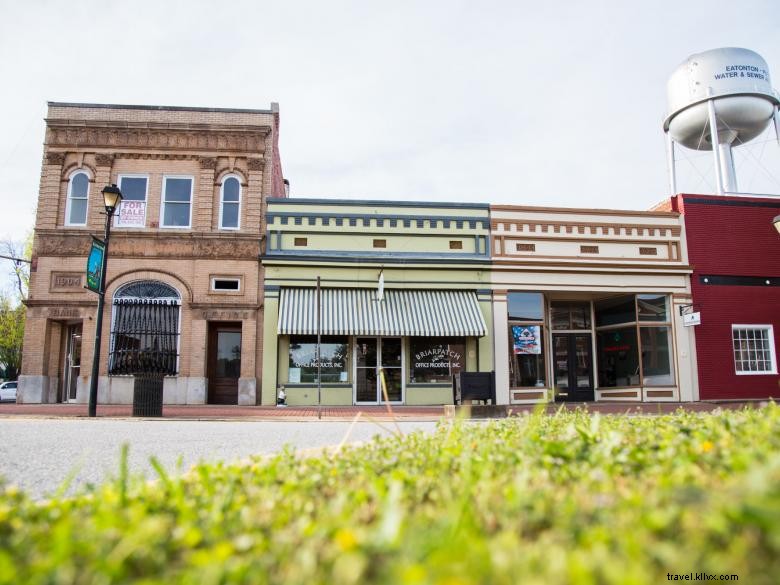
(569, 498)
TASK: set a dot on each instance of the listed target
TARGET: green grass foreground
(570, 498)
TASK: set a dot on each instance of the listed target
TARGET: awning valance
(427, 313)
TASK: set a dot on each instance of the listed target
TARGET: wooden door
(224, 362)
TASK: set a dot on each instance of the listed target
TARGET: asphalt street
(39, 454)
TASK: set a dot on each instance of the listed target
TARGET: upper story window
(176, 202)
(132, 210)
(230, 204)
(78, 193)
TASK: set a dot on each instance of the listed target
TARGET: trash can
(148, 395)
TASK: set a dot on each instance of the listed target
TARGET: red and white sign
(132, 214)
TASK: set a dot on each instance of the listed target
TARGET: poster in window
(132, 214)
(526, 339)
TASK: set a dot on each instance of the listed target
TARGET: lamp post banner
(95, 265)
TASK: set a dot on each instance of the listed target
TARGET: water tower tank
(730, 86)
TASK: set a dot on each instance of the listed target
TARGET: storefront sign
(526, 339)
(691, 319)
(95, 265)
(131, 214)
(437, 357)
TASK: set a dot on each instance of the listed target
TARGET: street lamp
(776, 221)
(112, 197)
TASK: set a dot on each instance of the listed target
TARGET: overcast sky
(521, 102)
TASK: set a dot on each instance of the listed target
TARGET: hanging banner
(95, 265)
(526, 339)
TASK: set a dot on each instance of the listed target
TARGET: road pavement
(39, 454)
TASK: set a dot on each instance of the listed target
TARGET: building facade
(183, 274)
(404, 293)
(586, 306)
(735, 253)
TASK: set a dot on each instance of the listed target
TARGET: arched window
(78, 193)
(145, 330)
(230, 204)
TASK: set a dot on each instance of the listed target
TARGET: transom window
(145, 329)
(78, 194)
(176, 202)
(230, 204)
(754, 349)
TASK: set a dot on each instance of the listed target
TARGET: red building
(735, 253)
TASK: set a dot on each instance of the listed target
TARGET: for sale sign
(131, 214)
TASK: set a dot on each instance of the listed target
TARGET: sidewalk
(308, 413)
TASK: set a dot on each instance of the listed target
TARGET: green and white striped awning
(426, 313)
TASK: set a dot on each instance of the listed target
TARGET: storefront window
(652, 307)
(303, 359)
(436, 359)
(656, 356)
(615, 311)
(618, 357)
(525, 306)
(570, 315)
(526, 358)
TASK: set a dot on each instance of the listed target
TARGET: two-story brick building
(183, 268)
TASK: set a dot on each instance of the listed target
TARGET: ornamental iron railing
(145, 331)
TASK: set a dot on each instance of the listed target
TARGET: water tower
(721, 97)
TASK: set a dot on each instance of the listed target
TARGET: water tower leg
(672, 164)
(714, 139)
(777, 124)
(727, 168)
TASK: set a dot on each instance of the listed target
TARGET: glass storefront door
(573, 366)
(374, 357)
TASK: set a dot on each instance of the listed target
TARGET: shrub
(569, 498)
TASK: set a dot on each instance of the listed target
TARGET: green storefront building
(404, 287)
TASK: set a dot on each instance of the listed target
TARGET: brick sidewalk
(215, 412)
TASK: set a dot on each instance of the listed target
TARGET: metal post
(715, 151)
(671, 163)
(319, 366)
(727, 168)
(777, 124)
(93, 382)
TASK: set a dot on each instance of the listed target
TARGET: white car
(8, 392)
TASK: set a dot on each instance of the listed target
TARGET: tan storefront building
(183, 273)
(586, 306)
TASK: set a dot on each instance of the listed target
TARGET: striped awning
(402, 312)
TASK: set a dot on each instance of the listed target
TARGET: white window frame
(772, 355)
(146, 198)
(70, 192)
(222, 202)
(163, 202)
(214, 279)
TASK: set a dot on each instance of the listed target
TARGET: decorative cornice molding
(104, 160)
(55, 158)
(149, 138)
(255, 164)
(207, 162)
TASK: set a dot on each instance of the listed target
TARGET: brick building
(183, 257)
(735, 252)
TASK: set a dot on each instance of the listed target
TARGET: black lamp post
(112, 196)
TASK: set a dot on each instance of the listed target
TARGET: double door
(573, 366)
(375, 356)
